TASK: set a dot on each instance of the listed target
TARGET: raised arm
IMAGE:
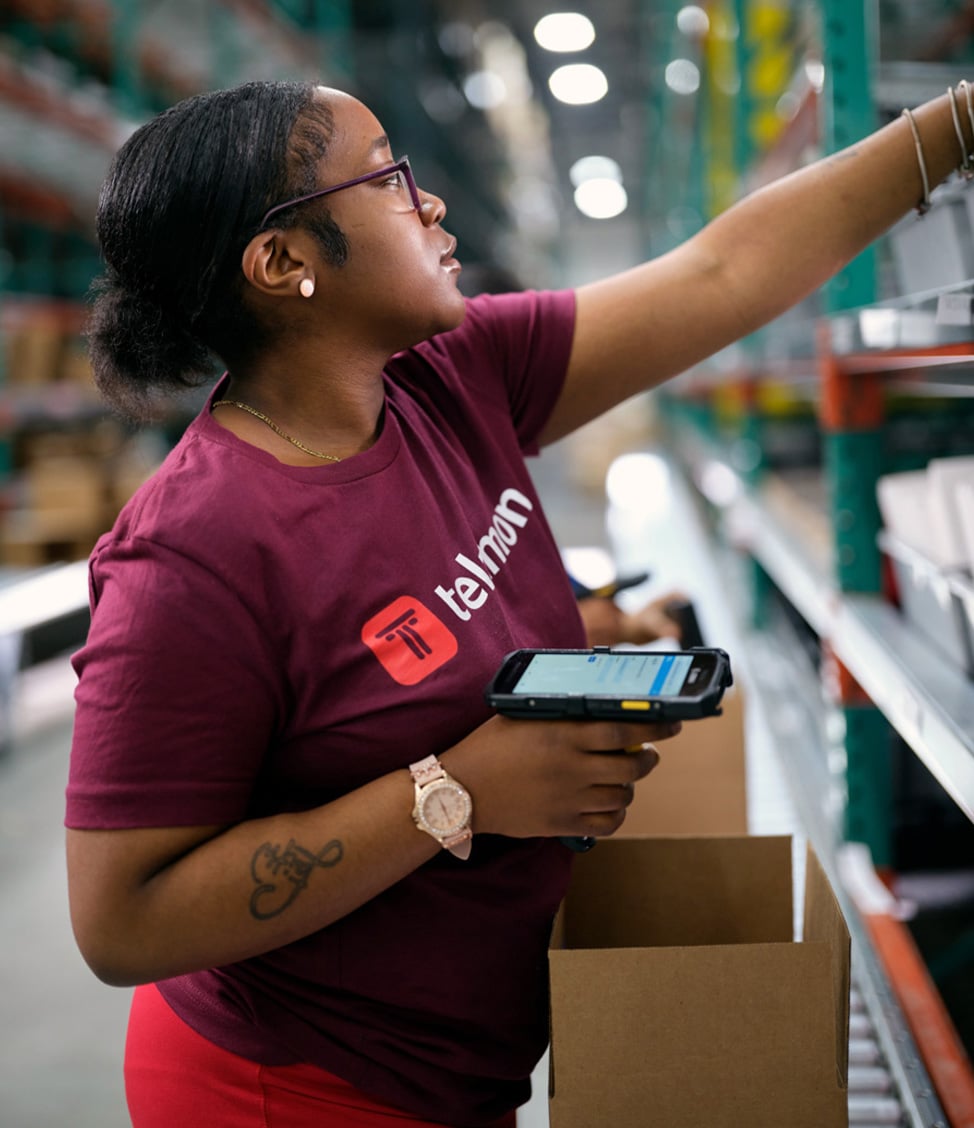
(636, 329)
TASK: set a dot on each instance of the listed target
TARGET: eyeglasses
(401, 167)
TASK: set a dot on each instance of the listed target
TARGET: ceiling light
(578, 84)
(815, 72)
(683, 76)
(635, 481)
(601, 198)
(693, 21)
(564, 31)
(594, 168)
(484, 90)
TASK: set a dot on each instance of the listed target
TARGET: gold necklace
(274, 427)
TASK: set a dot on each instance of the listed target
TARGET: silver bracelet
(966, 87)
(966, 168)
(924, 205)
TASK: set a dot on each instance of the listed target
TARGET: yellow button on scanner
(643, 706)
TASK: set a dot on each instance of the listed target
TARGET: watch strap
(459, 844)
(426, 770)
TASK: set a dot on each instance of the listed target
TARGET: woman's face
(399, 283)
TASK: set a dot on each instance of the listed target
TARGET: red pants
(175, 1076)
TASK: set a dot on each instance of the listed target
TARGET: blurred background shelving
(781, 440)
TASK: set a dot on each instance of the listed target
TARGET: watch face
(444, 808)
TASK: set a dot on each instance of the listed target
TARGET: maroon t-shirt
(266, 638)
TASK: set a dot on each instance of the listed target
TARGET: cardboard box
(33, 352)
(680, 998)
(700, 783)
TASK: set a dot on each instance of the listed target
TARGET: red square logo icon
(409, 640)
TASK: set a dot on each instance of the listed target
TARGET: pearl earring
(306, 287)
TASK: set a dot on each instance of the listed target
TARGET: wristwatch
(442, 807)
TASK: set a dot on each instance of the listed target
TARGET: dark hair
(184, 195)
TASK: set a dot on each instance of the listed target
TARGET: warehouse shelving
(77, 77)
(926, 699)
(784, 437)
(924, 696)
(75, 80)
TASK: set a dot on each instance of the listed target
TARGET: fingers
(609, 797)
(616, 736)
(645, 759)
(603, 622)
(624, 770)
(605, 804)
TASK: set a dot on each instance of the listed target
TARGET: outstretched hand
(606, 624)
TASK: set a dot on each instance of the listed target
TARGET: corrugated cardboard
(699, 785)
(679, 998)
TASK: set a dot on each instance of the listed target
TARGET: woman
(292, 820)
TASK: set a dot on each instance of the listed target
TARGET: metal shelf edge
(928, 701)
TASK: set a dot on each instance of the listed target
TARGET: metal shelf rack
(922, 694)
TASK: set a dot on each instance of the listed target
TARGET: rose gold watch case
(456, 835)
(424, 820)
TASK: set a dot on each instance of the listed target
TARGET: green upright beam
(224, 54)
(744, 103)
(853, 420)
(126, 64)
(333, 24)
(853, 448)
(868, 814)
(849, 42)
(853, 463)
(39, 273)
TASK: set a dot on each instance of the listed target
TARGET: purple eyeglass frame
(401, 165)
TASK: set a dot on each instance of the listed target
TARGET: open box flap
(646, 891)
(824, 923)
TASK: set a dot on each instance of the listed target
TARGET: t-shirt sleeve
(177, 700)
(521, 340)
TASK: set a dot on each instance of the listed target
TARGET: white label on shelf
(910, 713)
(955, 309)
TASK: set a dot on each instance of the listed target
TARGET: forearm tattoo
(281, 874)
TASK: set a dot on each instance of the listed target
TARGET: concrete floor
(62, 1031)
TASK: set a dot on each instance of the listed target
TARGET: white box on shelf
(904, 507)
(945, 476)
(932, 601)
(964, 497)
(962, 589)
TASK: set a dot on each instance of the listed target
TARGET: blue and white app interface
(646, 674)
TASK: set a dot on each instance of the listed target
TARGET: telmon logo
(472, 589)
(409, 640)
